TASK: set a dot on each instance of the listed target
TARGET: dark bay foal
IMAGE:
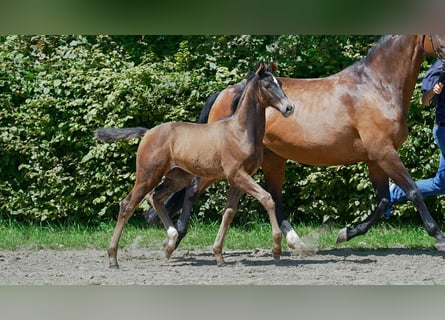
(230, 149)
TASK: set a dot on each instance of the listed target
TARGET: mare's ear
(273, 67)
(260, 68)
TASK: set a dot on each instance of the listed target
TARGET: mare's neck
(396, 63)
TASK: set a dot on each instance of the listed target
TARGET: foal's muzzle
(289, 110)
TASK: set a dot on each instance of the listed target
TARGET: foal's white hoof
(342, 235)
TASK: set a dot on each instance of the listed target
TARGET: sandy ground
(146, 266)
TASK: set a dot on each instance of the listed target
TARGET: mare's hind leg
(274, 170)
(380, 182)
(229, 212)
(247, 184)
(175, 180)
(127, 207)
(394, 168)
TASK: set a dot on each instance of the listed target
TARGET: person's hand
(437, 89)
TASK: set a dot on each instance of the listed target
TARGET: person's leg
(428, 187)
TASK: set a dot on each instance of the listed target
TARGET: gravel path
(143, 266)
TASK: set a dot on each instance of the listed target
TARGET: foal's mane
(239, 90)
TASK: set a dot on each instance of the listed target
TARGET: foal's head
(270, 92)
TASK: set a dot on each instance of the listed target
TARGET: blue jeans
(428, 187)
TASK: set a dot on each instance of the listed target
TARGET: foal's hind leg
(127, 207)
(247, 184)
(229, 212)
(174, 181)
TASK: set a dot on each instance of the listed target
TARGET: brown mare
(358, 114)
(230, 149)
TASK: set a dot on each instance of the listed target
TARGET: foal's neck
(250, 115)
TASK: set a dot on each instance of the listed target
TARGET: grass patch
(384, 234)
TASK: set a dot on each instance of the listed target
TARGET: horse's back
(193, 147)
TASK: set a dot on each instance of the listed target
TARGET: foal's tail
(113, 134)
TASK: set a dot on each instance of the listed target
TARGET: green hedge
(55, 90)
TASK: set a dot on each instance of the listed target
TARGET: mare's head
(270, 91)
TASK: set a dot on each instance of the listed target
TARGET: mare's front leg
(274, 170)
(380, 182)
(192, 192)
(233, 198)
(173, 205)
(247, 184)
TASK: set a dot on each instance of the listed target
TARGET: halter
(437, 52)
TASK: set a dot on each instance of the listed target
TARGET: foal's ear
(260, 68)
(272, 67)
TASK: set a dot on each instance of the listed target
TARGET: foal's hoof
(342, 235)
(168, 252)
(221, 263)
(113, 266)
(276, 256)
(220, 260)
(440, 245)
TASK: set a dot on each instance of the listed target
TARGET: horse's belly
(317, 152)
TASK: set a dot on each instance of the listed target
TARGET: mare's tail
(113, 134)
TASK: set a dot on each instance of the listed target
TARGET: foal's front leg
(229, 212)
(247, 184)
(274, 168)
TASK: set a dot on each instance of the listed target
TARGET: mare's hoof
(113, 266)
(440, 245)
(342, 235)
(276, 257)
